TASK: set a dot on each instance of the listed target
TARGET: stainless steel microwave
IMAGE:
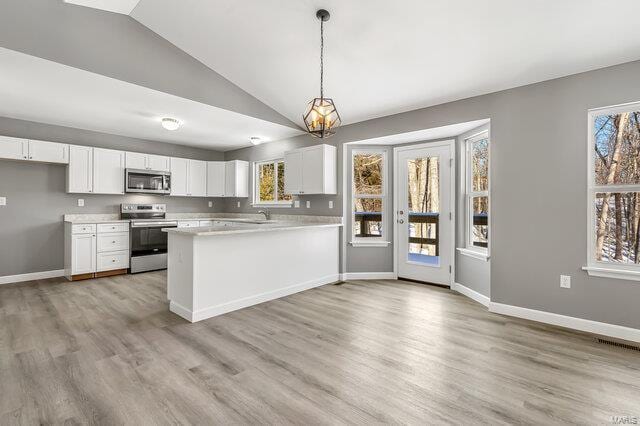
(147, 181)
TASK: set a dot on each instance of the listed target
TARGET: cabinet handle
(113, 260)
(30, 158)
(113, 242)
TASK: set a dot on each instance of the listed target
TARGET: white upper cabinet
(48, 152)
(137, 160)
(215, 178)
(80, 169)
(41, 151)
(179, 176)
(13, 148)
(108, 171)
(311, 170)
(197, 178)
(236, 179)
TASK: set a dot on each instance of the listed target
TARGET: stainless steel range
(148, 243)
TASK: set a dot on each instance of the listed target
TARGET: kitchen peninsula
(217, 269)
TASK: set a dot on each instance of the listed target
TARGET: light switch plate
(565, 281)
(80, 202)
(308, 204)
(330, 204)
(238, 204)
(210, 203)
(296, 203)
(3, 201)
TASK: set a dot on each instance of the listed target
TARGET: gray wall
(539, 164)
(118, 46)
(470, 272)
(32, 229)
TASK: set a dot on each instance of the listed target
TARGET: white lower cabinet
(83, 254)
(110, 261)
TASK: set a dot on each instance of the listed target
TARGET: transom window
(614, 187)
(477, 191)
(269, 183)
(369, 194)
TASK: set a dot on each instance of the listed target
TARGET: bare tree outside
(367, 191)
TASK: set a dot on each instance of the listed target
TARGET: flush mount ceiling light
(255, 140)
(321, 116)
(170, 123)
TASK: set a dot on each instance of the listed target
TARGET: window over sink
(268, 189)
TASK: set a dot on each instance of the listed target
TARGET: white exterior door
(424, 178)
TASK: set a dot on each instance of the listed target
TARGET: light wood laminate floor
(108, 351)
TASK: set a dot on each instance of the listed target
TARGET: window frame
(470, 194)
(256, 183)
(383, 240)
(602, 268)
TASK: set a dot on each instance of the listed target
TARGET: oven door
(148, 238)
(147, 181)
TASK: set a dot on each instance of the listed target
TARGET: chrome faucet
(266, 213)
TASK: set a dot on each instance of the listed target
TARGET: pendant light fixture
(321, 116)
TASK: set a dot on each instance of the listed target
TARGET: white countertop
(246, 228)
(182, 219)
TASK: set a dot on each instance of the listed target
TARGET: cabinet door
(80, 169)
(158, 163)
(136, 160)
(108, 171)
(197, 178)
(13, 148)
(48, 152)
(215, 178)
(293, 172)
(312, 171)
(242, 178)
(179, 176)
(83, 254)
(230, 179)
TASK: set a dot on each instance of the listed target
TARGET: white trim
(476, 254)
(10, 279)
(255, 201)
(467, 187)
(384, 196)
(223, 308)
(368, 276)
(471, 294)
(580, 324)
(361, 243)
(451, 143)
(620, 274)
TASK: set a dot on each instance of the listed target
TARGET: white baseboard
(8, 279)
(471, 294)
(368, 276)
(234, 305)
(605, 329)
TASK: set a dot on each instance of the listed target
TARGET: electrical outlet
(3, 201)
(331, 204)
(565, 281)
(238, 204)
(80, 202)
(296, 203)
(308, 204)
(210, 204)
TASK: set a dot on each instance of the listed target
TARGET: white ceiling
(384, 57)
(432, 134)
(118, 6)
(39, 90)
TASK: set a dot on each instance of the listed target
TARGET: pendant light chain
(321, 58)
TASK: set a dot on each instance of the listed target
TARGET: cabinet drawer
(113, 260)
(113, 227)
(206, 223)
(188, 224)
(89, 228)
(113, 242)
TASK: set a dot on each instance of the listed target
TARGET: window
(477, 191)
(269, 184)
(614, 189)
(368, 196)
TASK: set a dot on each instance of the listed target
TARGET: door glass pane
(424, 210)
(367, 220)
(480, 227)
(266, 180)
(616, 227)
(367, 174)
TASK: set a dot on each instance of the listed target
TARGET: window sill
(620, 274)
(272, 205)
(476, 254)
(370, 243)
